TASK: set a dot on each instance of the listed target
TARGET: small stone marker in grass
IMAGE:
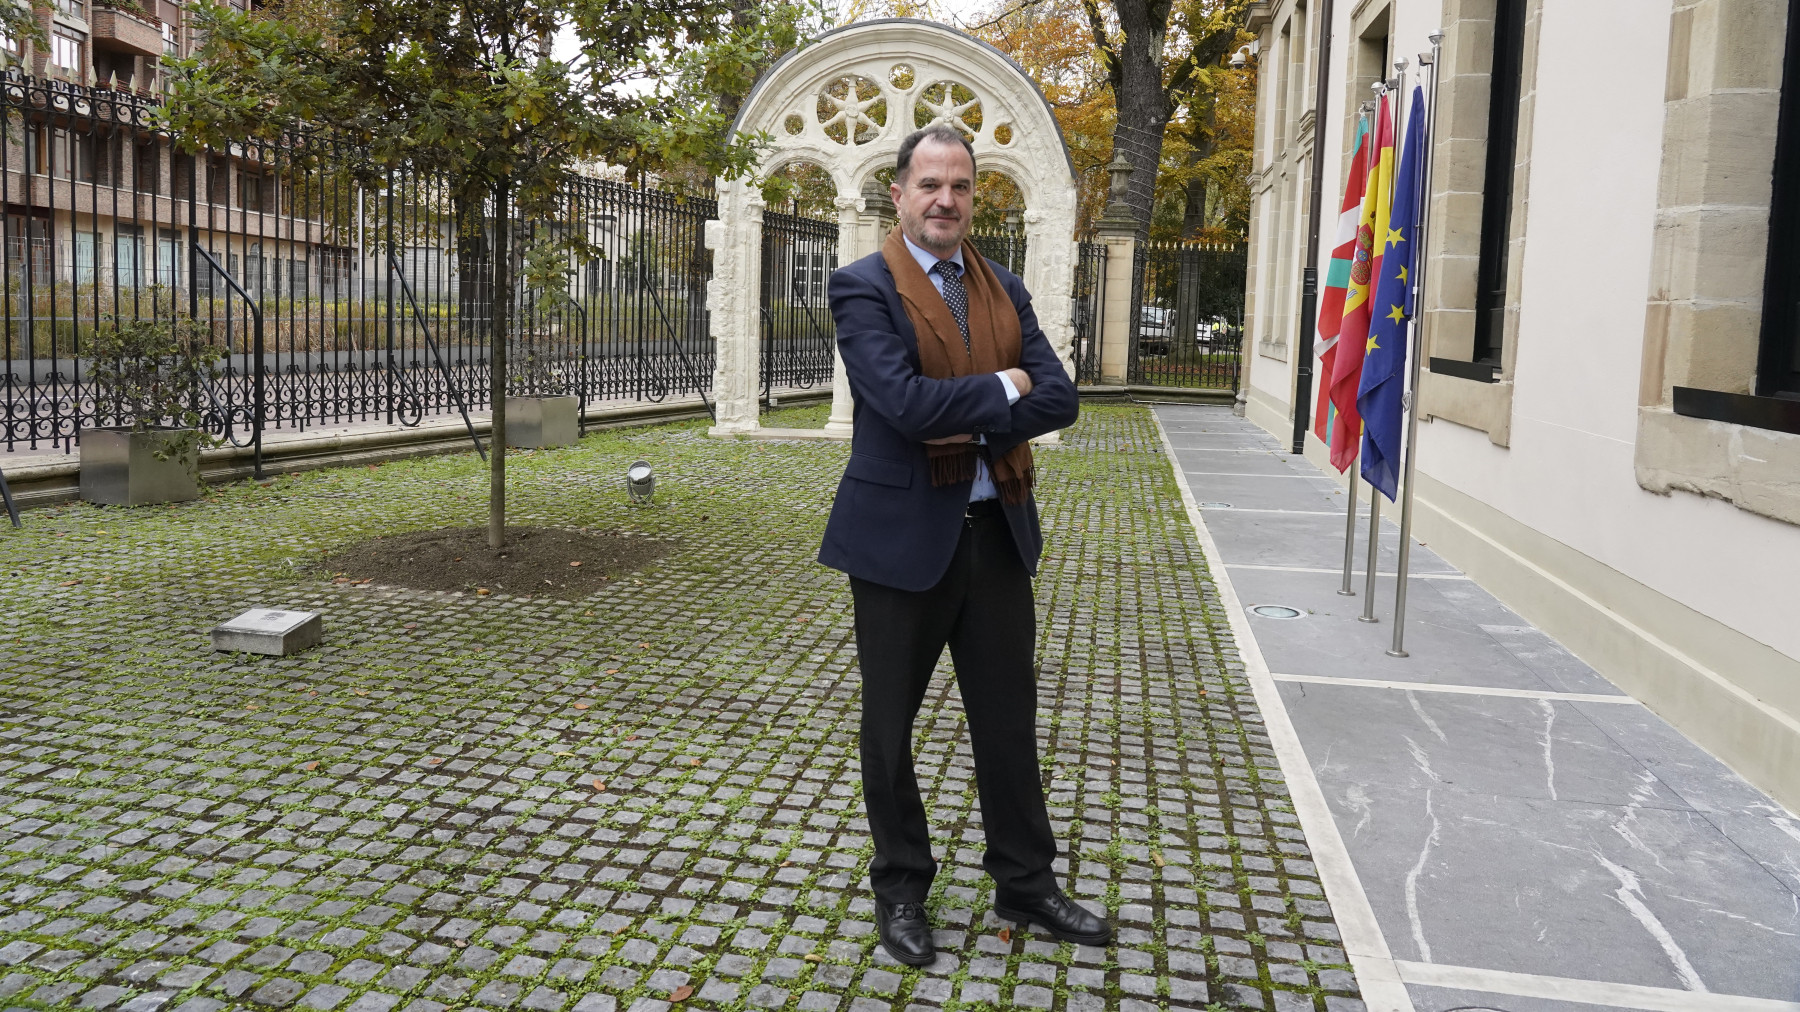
(270, 631)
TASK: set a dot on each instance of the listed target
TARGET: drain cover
(1275, 611)
(1215, 505)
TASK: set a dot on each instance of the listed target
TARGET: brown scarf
(993, 346)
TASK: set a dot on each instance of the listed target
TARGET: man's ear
(894, 192)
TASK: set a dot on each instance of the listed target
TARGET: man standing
(935, 524)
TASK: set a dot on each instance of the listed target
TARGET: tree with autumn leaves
(1148, 79)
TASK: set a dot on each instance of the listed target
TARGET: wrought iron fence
(1089, 298)
(798, 256)
(1004, 248)
(372, 294)
(1187, 315)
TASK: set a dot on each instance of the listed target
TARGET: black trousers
(983, 610)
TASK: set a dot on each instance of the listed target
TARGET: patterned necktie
(955, 295)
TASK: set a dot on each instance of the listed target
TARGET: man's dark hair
(940, 133)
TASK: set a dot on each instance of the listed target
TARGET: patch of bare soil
(534, 561)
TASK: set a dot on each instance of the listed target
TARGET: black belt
(983, 509)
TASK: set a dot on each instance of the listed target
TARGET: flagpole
(1423, 205)
(1368, 614)
(1366, 110)
(1350, 535)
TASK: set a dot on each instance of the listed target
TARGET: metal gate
(1187, 315)
(798, 256)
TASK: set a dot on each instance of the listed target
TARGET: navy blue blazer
(889, 524)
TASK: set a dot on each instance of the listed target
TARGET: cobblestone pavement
(646, 796)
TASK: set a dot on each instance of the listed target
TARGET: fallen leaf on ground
(1156, 855)
(68, 583)
(574, 563)
(1006, 934)
(612, 671)
(682, 993)
(599, 784)
(461, 943)
(360, 692)
(631, 737)
(410, 625)
(813, 957)
(581, 706)
(436, 762)
(693, 762)
(483, 591)
(310, 766)
(565, 753)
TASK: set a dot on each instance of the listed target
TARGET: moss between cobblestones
(464, 801)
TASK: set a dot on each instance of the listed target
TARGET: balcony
(119, 30)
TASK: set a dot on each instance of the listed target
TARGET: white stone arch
(1034, 156)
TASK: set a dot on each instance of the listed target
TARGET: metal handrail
(679, 350)
(425, 330)
(256, 420)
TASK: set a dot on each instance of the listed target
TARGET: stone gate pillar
(734, 303)
(1119, 231)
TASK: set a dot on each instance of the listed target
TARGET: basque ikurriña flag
(1337, 277)
(1378, 393)
(1346, 366)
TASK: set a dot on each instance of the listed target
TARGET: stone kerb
(845, 103)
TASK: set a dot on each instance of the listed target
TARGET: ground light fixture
(1275, 611)
(640, 481)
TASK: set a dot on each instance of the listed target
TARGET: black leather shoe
(905, 933)
(1060, 915)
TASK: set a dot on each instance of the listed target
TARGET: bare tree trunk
(501, 332)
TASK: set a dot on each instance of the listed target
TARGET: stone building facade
(1611, 403)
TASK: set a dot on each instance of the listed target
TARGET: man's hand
(944, 440)
(1021, 380)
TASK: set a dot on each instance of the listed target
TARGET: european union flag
(1378, 394)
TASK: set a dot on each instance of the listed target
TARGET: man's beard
(915, 226)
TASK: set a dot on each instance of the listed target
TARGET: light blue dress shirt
(984, 482)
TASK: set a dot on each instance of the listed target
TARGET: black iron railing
(1187, 315)
(1089, 298)
(798, 256)
(374, 290)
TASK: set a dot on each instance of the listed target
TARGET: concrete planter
(534, 422)
(119, 468)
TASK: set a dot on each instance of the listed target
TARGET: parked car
(1155, 328)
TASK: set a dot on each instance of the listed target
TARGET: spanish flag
(1337, 277)
(1365, 269)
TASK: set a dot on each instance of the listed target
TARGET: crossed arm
(928, 410)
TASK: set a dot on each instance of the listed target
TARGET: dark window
(147, 171)
(183, 166)
(1778, 366)
(1497, 182)
(218, 181)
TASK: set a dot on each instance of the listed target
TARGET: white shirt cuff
(1012, 392)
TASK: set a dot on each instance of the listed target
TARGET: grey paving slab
(1444, 999)
(1331, 641)
(1701, 780)
(1314, 493)
(1276, 539)
(1202, 463)
(1621, 893)
(1502, 745)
